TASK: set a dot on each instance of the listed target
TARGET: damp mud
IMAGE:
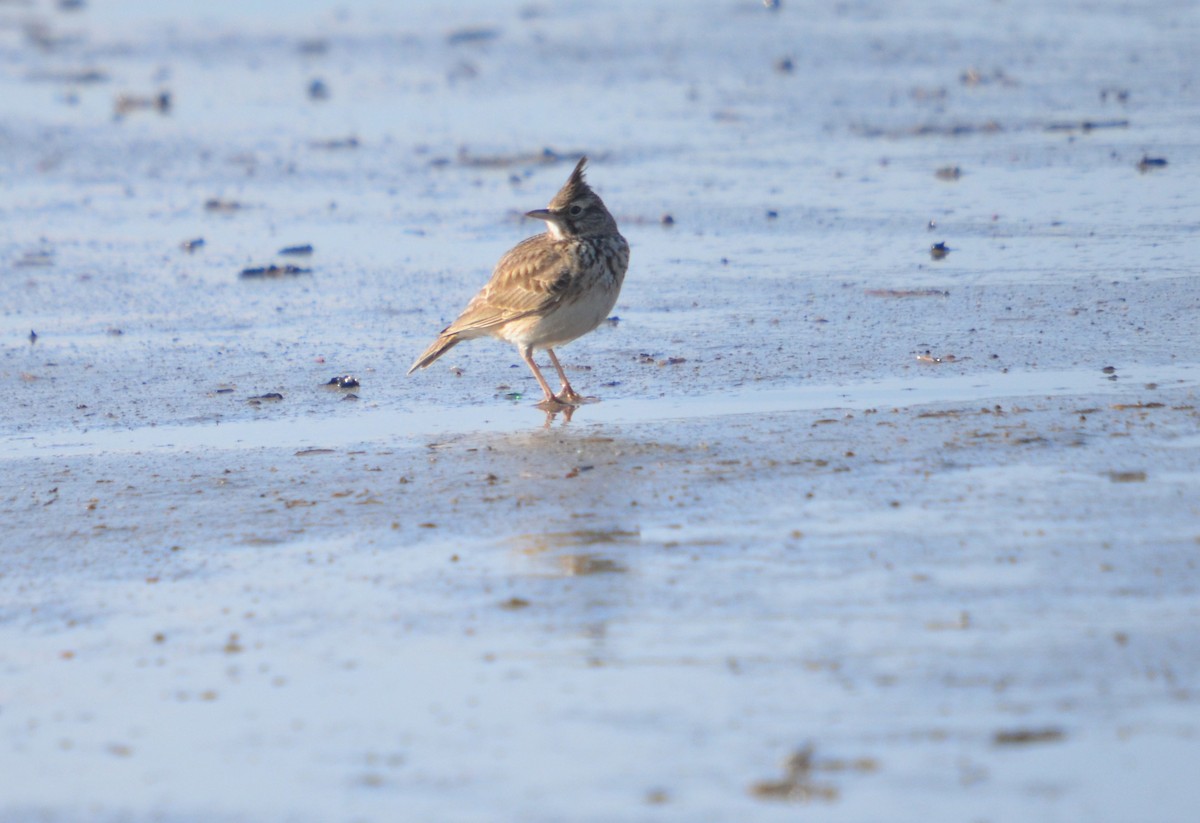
(888, 508)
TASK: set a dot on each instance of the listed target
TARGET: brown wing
(529, 279)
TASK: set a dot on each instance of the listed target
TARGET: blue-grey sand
(889, 508)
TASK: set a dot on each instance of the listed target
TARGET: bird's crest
(575, 187)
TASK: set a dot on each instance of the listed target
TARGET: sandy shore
(855, 530)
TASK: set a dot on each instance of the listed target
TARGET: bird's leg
(568, 394)
(527, 356)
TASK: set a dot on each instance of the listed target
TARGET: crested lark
(550, 288)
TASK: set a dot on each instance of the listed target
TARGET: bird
(549, 289)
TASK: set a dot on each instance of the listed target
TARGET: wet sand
(856, 530)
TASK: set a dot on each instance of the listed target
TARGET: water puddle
(418, 423)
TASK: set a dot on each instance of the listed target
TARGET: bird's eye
(576, 211)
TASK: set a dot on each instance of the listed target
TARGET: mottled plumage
(549, 289)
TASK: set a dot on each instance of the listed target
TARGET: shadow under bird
(549, 289)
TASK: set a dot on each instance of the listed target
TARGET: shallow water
(932, 522)
(378, 426)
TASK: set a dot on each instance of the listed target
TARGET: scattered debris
(273, 271)
(671, 361)
(74, 77)
(984, 127)
(976, 77)
(1023, 737)
(313, 47)
(472, 34)
(318, 90)
(657, 797)
(272, 397)
(797, 784)
(1127, 406)
(1148, 163)
(190, 246)
(311, 452)
(939, 250)
(545, 157)
(334, 144)
(35, 258)
(948, 173)
(514, 603)
(297, 251)
(667, 220)
(928, 357)
(906, 293)
(784, 65)
(345, 381)
(1087, 125)
(577, 565)
(33, 336)
(934, 130)
(225, 206)
(128, 103)
(1127, 477)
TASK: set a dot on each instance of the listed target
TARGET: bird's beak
(543, 214)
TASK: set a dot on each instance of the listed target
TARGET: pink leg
(568, 394)
(527, 356)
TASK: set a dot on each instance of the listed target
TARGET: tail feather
(443, 344)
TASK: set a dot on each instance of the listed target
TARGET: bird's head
(576, 211)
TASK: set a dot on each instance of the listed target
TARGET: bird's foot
(553, 405)
(571, 397)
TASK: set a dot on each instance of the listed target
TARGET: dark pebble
(335, 144)
(274, 271)
(216, 204)
(317, 90)
(472, 34)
